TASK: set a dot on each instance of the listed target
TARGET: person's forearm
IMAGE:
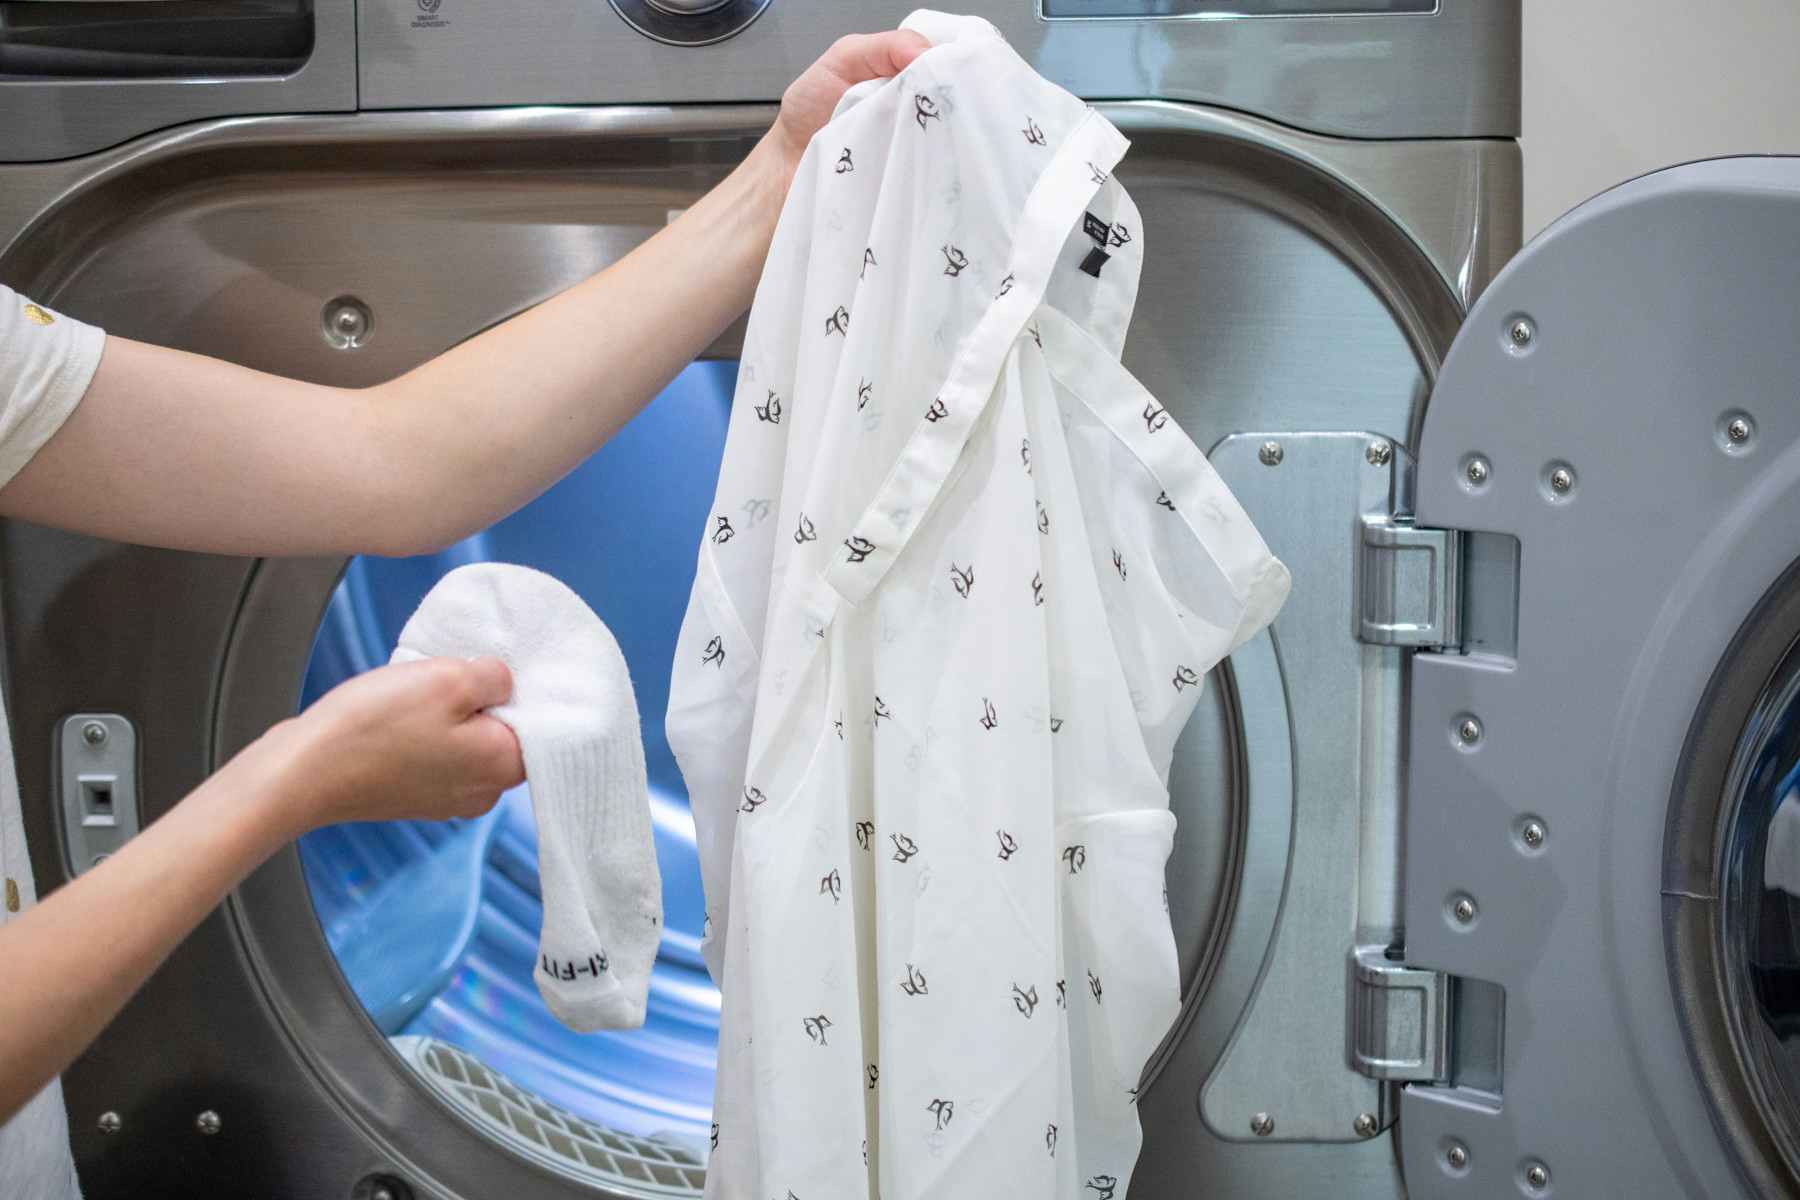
(76, 957)
(180, 450)
(551, 385)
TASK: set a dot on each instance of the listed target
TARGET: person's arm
(175, 449)
(403, 741)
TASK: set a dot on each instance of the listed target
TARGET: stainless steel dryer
(1397, 908)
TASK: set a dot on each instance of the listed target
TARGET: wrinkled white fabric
(47, 360)
(961, 586)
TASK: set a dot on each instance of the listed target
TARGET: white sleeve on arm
(47, 361)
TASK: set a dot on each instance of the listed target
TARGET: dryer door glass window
(1760, 913)
(435, 925)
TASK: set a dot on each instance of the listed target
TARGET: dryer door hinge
(1399, 1019)
(1409, 585)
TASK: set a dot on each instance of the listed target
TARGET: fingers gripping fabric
(576, 718)
(960, 589)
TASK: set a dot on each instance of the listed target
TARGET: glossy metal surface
(1453, 73)
(1280, 294)
(45, 119)
(1286, 1057)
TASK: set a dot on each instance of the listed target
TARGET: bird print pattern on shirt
(1185, 678)
(974, 714)
(1162, 500)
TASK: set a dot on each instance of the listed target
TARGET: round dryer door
(1616, 850)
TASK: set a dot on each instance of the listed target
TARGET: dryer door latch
(1409, 585)
(1399, 1019)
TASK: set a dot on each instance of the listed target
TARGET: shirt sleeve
(47, 361)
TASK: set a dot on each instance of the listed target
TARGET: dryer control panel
(1346, 67)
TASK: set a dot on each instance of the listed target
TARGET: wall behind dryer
(1615, 88)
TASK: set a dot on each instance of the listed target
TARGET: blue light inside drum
(436, 925)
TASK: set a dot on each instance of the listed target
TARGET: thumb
(489, 683)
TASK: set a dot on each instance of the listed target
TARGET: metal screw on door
(1463, 910)
(1561, 480)
(1537, 1177)
(93, 733)
(109, 1122)
(1469, 731)
(208, 1123)
(1365, 1125)
(1521, 333)
(1477, 471)
(1457, 1156)
(1262, 1124)
(1532, 834)
(1271, 454)
(1379, 454)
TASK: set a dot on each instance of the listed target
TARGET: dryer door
(1601, 799)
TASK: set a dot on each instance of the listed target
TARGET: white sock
(576, 719)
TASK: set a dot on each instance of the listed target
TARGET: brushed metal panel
(1453, 73)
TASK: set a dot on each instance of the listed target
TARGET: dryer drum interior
(1277, 295)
